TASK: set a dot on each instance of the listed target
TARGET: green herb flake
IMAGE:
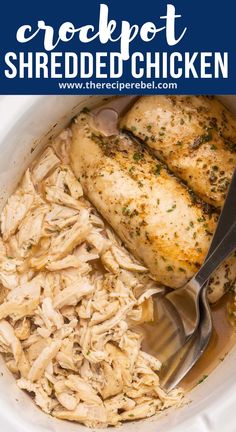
(137, 156)
(132, 169)
(223, 358)
(85, 110)
(126, 211)
(171, 209)
(201, 219)
(169, 268)
(157, 170)
(182, 270)
(202, 379)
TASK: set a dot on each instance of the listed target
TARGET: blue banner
(112, 47)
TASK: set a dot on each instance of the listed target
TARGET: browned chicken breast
(153, 213)
(194, 135)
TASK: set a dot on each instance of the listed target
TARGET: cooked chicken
(45, 357)
(223, 280)
(56, 195)
(41, 397)
(47, 161)
(64, 179)
(67, 401)
(84, 390)
(22, 329)
(152, 212)
(90, 415)
(72, 295)
(30, 231)
(68, 261)
(64, 242)
(8, 272)
(60, 217)
(11, 343)
(22, 300)
(194, 135)
(17, 207)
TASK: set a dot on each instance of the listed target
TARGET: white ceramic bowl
(26, 123)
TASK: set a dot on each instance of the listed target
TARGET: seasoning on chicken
(152, 212)
(70, 299)
(194, 135)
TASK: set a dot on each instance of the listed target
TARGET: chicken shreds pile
(70, 300)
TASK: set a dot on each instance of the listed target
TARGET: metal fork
(169, 335)
(186, 300)
(177, 366)
(183, 324)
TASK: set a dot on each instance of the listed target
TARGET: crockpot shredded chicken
(70, 299)
(162, 222)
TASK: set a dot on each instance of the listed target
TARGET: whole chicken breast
(194, 135)
(154, 214)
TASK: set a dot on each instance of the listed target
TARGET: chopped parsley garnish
(202, 379)
(126, 211)
(201, 219)
(171, 209)
(157, 170)
(137, 156)
(85, 110)
(132, 169)
(169, 268)
(182, 270)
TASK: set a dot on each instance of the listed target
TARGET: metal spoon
(177, 366)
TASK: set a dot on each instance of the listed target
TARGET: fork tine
(166, 340)
(203, 334)
(168, 336)
(176, 367)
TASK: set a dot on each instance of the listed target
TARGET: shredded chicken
(71, 296)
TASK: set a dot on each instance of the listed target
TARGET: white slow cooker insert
(27, 122)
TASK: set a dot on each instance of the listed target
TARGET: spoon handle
(225, 220)
(227, 215)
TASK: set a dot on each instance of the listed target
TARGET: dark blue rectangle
(209, 37)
